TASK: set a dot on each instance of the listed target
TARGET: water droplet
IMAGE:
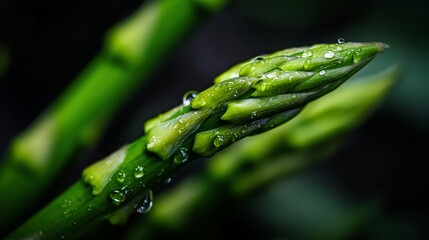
(329, 54)
(139, 172)
(181, 156)
(146, 204)
(322, 72)
(66, 204)
(89, 208)
(160, 172)
(235, 137)
(117, 197)
(307, 53)
(307, 64)
(244, 129)
(120, 177)
(357, 55)
(167, 180)
(341, 40)
(257, 59)
(219, 140)
(187, 98)
(254, 115)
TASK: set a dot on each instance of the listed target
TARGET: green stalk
(132, 50)
(121, 181)
(250, 165)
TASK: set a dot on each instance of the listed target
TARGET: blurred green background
(373, 188)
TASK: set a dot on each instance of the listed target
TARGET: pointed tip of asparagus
(382, 46)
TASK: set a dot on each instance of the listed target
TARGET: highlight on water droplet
(138, 172)
(187, 97)
(66, 203)
(323, 72)
(357, 56)
(307, 63)
(254, 115)
(341, 40)
(257, 59)
(329, 54)
(181, 156)
(244, 129)
(117, 197)
(146, 204)
(168, 180)
(307, 53)
(219, 140)
(120, 177)
(235, 137)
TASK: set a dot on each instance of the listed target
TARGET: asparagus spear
(206, 124)
(132, 50)
(253, 163)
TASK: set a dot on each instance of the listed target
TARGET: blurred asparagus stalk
(248, 166)
(205, 124)
(132, 51)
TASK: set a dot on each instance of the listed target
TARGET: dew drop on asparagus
(187, 97)
(329, 54)
(181, 156)
(139, 172)
(117, 197)
(307, 53)
(167, 180)
(146, 204)
(219, 140)
(120, 177)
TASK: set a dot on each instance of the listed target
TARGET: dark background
(382, 166)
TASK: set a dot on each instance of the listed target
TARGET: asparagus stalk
(203, 126)
(132, 50)
(253, 163)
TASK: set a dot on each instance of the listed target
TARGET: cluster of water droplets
(118, 196)
(308, 53)
(66, 205)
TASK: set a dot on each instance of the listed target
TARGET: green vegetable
(253, 163)
(168, 145)
(132, 51)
